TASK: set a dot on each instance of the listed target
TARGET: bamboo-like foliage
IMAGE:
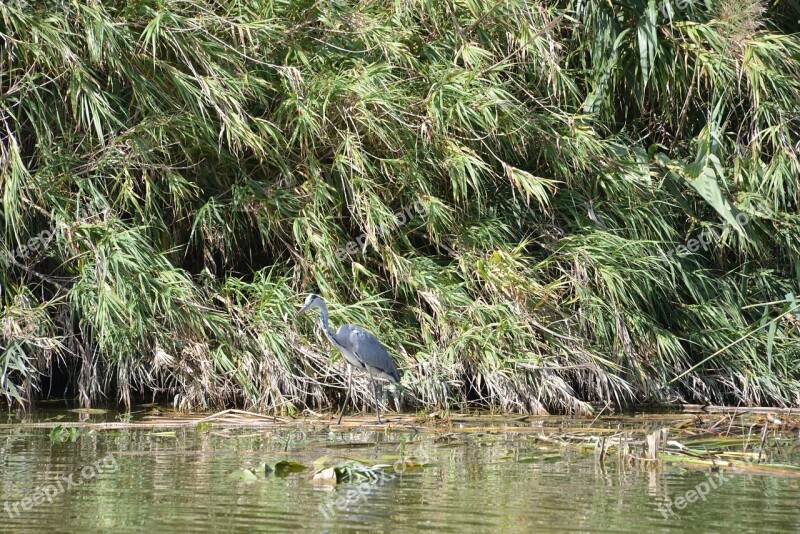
(495, 188)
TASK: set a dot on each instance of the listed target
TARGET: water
(479, 479)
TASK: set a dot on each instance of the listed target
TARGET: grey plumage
(360, 348)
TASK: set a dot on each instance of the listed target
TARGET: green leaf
(702, 176)
(648, 41)
(285, 468)
(243, 475)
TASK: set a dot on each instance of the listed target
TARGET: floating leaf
(59, 434)
(243, 475)
(284, 468)
(326, 476)
(320, 462)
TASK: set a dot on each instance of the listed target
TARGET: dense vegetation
(499, 189)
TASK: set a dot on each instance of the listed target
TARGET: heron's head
(312, 301)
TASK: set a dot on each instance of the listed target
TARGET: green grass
(202, 165)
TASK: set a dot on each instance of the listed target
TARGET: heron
(360, 348)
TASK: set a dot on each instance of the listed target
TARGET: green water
(485, 480)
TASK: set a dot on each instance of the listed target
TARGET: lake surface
(469, 476)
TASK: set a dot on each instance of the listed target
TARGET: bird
(360, 348)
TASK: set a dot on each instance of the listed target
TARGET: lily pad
(284, 468)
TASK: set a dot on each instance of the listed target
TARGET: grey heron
(360, 348)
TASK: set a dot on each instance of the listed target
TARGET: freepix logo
(402, 217)
(714, 480)
(62, 484)
(360, 494)
(35, 244)
(708, 236)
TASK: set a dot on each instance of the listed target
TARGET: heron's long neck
(323, 320)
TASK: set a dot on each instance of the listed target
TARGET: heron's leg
(375, 393)
(347, 396)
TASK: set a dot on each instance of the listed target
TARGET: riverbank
(535, 208)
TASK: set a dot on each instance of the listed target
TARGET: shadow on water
(97, 471)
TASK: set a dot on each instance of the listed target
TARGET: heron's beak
(303, 309)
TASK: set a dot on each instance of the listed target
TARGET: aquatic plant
(201, 165)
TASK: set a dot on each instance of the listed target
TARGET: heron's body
(363, 351)
(360, 348)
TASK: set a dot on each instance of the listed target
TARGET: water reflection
(181, 479)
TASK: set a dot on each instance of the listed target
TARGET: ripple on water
(183, 483)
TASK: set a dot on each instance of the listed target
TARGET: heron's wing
(368, 349)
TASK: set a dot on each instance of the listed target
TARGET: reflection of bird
(360, 348)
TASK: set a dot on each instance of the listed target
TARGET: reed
(200, 165)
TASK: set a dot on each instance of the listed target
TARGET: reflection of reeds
(722, 444)
(755, 442)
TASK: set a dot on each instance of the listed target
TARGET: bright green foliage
(202, 165)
